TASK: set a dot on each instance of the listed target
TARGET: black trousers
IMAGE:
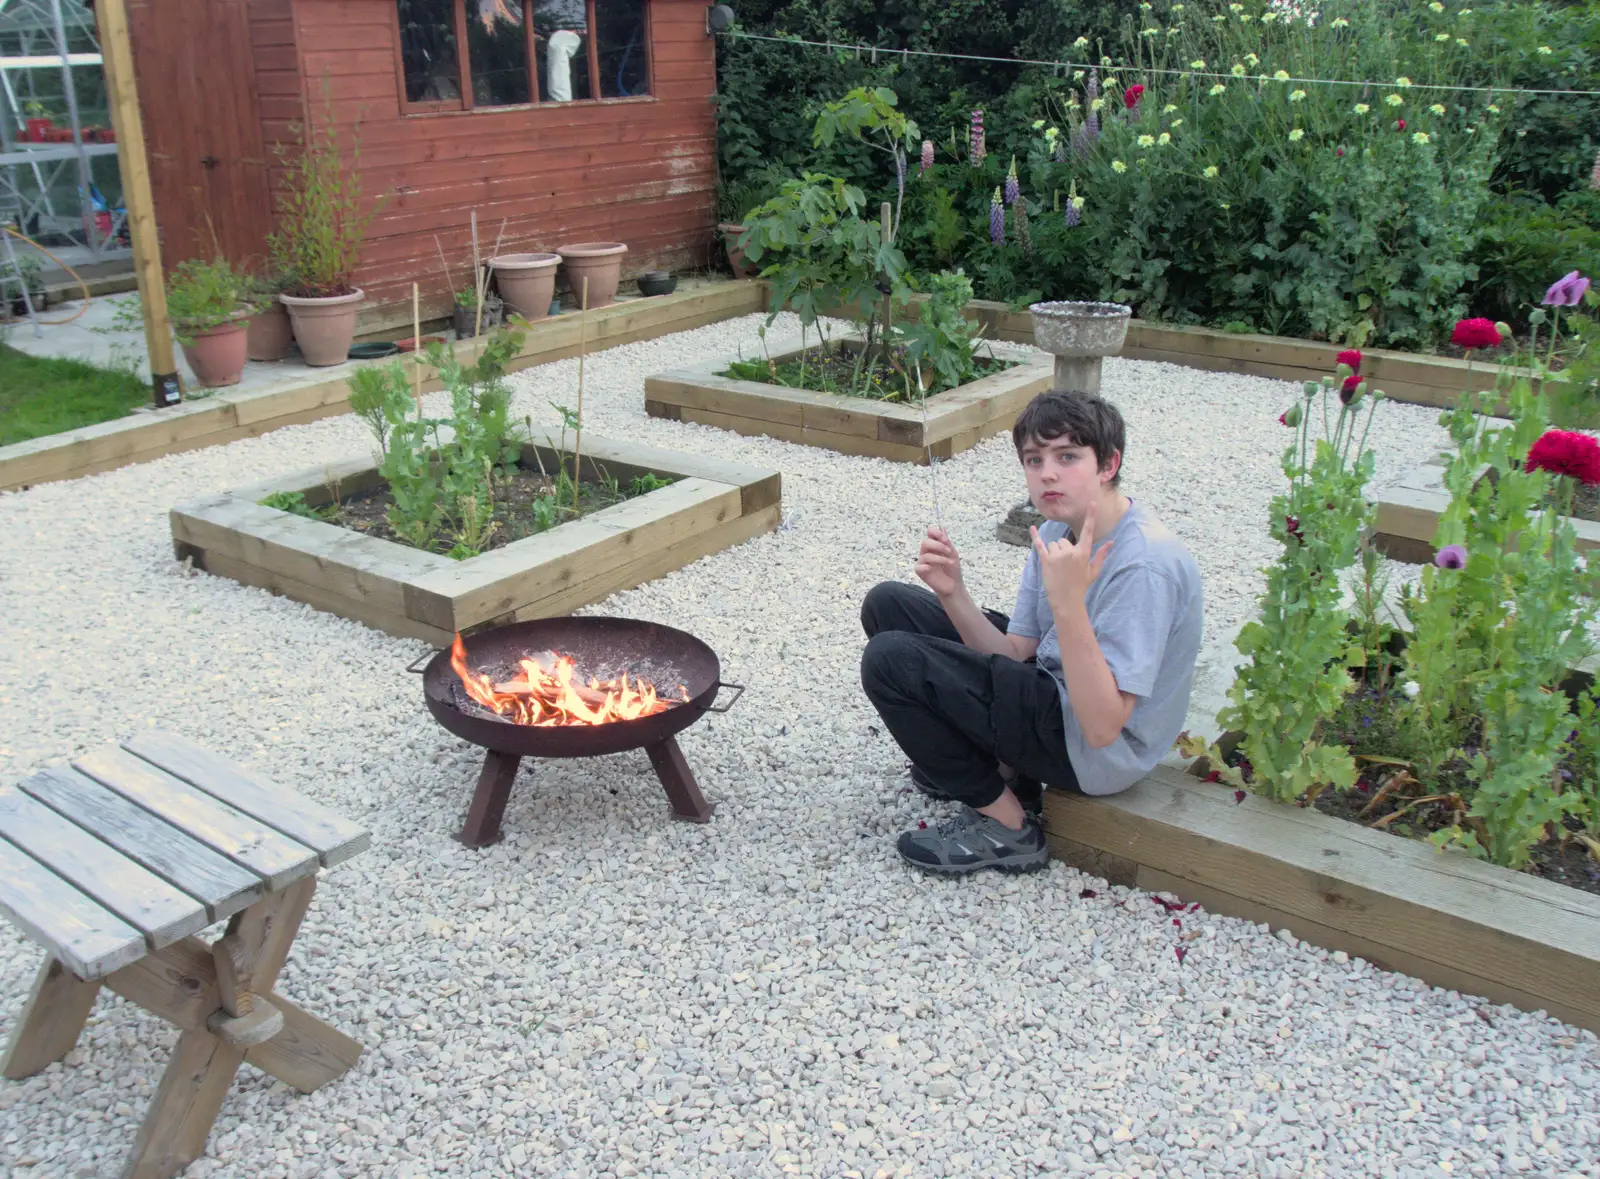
(955, 711)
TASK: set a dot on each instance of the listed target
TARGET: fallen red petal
(1213, 776)
(1180, 952)
(1088, 894)
(1238, 797)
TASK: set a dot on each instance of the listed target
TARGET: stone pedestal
(1078, 374)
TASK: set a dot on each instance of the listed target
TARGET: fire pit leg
(677, 779)
(489, 800)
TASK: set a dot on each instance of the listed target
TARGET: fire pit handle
(414, 667)
(738, 690)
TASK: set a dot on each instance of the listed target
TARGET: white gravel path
(611, 993)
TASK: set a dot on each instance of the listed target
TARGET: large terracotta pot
(270, 333)
(730, 242)
(527, 282)
(600, 263)
(324, 328)
(217, 356)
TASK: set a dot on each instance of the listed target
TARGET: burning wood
(543, 692)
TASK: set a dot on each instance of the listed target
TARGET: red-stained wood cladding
(225, 80)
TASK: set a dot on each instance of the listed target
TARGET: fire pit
(573, 687)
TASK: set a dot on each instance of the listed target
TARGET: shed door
(202, 126)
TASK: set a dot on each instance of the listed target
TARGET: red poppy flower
(1213, 776)
(1291, 524)
(1475, 333)
(1350, 387)
(1340, 153)
(1132, 95)
(1352, 357)
(1567, 452)
(1400, 125)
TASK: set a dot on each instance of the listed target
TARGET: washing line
(875, 51)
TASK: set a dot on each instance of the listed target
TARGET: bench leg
(55, 1013)
(308, 1053)
(202, 1066)
(185, 1106)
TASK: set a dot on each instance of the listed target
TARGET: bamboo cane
(416, 347)
(583, 348)
(477, 279)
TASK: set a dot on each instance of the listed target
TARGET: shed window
(513, 52)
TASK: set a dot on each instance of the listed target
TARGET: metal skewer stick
(933, 466)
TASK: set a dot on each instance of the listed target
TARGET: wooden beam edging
(711, 506)
(1403, 376)
(229, 415)
(956, 420)
(1399, 903)
(1409, 511)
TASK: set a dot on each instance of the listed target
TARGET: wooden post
(122, 90)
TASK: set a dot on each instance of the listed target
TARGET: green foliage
(294, 502)
(320, 213)
(1377, 245)
(646, 483)
(1299, 651)
(1492, 641)
(942, 336)
(202, 296)
(439, 483)
(1524, 244)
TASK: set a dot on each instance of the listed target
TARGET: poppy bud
(1503, 328)
(1291, 416)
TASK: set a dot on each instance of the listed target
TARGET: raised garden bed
(956, 420)
(247, 411)
(710, 506)
(1402, 905)
(1409, 511)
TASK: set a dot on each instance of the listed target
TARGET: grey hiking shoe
(971, 841)
(1027, 790)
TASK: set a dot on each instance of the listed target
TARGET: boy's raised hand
(938, 564)
(1067, 569)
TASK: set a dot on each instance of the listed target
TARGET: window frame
(465, 104)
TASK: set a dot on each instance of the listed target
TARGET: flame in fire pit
(543, 693)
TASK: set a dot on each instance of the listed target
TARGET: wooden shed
(456, 105)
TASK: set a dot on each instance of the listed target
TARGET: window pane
(623, 45)
(563, 30)
(497, 49)
(428, 50)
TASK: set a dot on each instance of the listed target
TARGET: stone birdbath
(1080, 336)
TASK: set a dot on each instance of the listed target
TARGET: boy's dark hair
(1083, 419)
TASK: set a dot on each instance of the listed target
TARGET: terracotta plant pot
(324, 328)
(217, 357)
(269, 334)
(730, 242)
(527, 282)
(600, 263)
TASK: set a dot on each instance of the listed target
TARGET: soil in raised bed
(517, 496)
(835, 371)
(1365, 725)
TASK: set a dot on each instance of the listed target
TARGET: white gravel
(611, 993)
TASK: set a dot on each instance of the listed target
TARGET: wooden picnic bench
(114, 863)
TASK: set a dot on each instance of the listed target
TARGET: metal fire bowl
(1080, 329)
(593, 643)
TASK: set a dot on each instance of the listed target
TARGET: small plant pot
(657, 282)
(269, 334)
(217, 356)
(409, 344)
(526, 282)
(730, 242)
(465, 319)
(324, 328)
(598, 262)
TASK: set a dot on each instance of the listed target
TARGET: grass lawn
(40, 396)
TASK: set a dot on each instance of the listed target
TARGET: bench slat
(277, 859)
(333, 837)
(87, 938)
(145, 901)
(216, 882)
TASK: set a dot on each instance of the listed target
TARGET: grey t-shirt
(1145, 608)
